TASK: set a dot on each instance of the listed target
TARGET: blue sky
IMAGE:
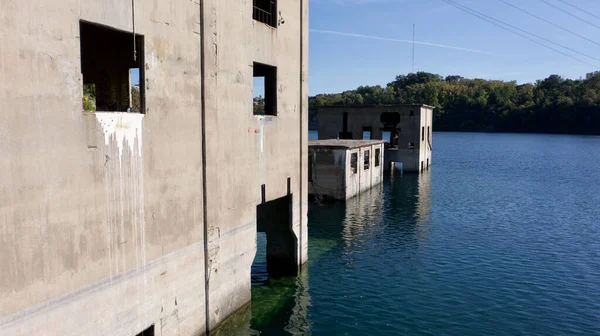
(353, 42)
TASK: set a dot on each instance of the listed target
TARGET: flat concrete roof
(348, 144)
(372, 105)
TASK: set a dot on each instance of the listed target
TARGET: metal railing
(265, 16)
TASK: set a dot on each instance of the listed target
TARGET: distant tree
(551, 105)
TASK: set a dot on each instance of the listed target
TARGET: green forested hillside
(551, 105)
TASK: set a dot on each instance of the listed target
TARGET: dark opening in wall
(265, 11)
(423, 133)
(113, 75)
(274, 219)
(147, 332)
(367, 133)
(377, 157)
(310, 167)
(367, 159)
(354, 163)
(411, 113)
(265, 85)
(345, 135)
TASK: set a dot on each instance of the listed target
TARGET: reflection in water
(393, 215)
(281, 304)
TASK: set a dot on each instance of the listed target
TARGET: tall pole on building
(413, 54)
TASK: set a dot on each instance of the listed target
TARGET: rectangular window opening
(367, 133)
(345, 135)
(411, 113)
(265, 11)
(423, 133)
(367, 153)
(265, 89)
(310, 168)
(113, 72)
(377, 156)
(386, 136)
(354, 163)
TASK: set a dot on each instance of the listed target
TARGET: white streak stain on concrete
(124, 126)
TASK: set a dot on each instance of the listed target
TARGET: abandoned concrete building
(341, 169)
(406, 129)
(143, 222)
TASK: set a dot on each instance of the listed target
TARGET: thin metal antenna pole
(413, 51)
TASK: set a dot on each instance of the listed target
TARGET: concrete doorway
(274, 218)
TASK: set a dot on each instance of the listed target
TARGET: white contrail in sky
(333, 32)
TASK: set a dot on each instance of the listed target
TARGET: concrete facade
(332, 173)
(413, 125)
(113, 222)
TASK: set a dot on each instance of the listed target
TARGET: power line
(569, 13)
(580, 9)
(491, 20)
(550, 22)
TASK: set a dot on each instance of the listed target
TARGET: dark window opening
(428, 137)
(367, 133)
(377, 156)
(354, 163)
(147, 332)
(386, 136)
(367, 159)
(265, 90)
(113, 75)
(345, 135)
(265, 11)
(423, 133)
(345, 122)
(422, 166)
(411, 113)
(310, 168)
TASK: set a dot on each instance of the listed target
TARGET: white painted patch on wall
(124, 126)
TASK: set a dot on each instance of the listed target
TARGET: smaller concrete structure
(341, 169)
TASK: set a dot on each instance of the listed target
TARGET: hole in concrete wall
(412, 113)
(113, 79)
(345, 135)
(386, 136)
(377, 157)
(147, 332)
(423, 133)
(310, 167)
(259, 272)
(274, 218)
(265, 11)
(354, 163)
(367, 133)
(367, 159)
(265, 89)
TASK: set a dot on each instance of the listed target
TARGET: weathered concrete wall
(328, 172)
(413, 119)
(101, 215)
(245, 151)
(365, 178)
(332, 171)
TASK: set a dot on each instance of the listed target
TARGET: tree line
(551, 105)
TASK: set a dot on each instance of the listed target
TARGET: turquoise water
(501, 237)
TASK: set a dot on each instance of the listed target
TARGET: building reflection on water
(400, 207)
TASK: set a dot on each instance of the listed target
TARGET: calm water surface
(501, 237)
